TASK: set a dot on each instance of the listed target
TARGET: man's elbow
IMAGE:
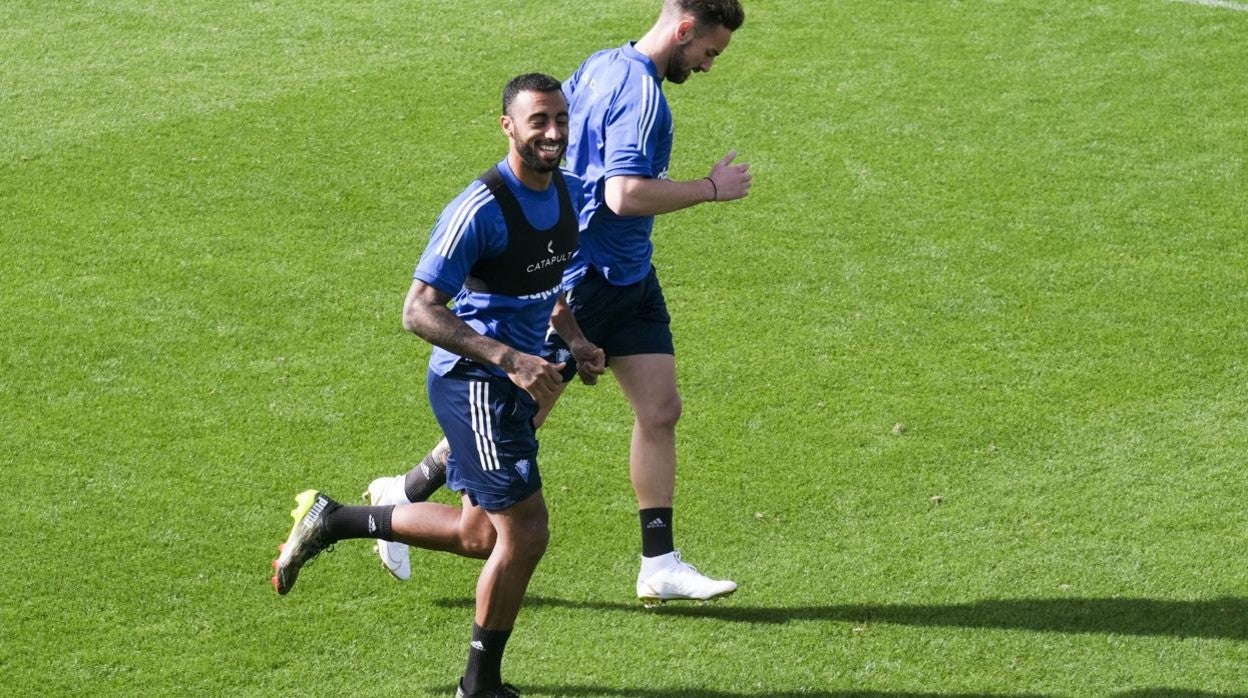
(411, 321)
(619, 197)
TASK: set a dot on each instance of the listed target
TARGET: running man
(499, 249)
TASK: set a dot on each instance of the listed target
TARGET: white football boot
(672, 579)
(395, 556)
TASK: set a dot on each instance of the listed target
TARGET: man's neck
(537, 181)
(656, 46)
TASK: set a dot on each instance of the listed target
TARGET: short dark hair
(712, 13)
(529, 82)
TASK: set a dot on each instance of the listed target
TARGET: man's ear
(685, 30)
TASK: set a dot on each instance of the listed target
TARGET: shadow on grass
(1174, 693)
(1219, 619)
(573, 690)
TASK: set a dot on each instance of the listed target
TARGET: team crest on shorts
(522, 467)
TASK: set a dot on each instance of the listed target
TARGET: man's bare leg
(649, 383)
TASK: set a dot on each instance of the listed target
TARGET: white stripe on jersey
(482, 429)
(649, 111)
(477, 197)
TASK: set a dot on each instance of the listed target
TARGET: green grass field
(965, 377)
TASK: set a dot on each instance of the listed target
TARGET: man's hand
(730, 181)
(537, 376)
(591, 360)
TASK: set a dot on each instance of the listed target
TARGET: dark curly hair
(711, 13)
(529, 82)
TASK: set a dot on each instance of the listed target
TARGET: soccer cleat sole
(656, 601)
(303, 503)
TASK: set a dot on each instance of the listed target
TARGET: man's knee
(661, 414)
(535, 536)
(479, 541)
(530, 536)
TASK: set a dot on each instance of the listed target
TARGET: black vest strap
(534, 260)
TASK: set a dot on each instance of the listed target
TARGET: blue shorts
(621, 320)
(488, 421)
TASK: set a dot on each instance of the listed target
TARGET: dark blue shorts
(488, 421)
(622, 320)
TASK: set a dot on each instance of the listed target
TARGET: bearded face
(537, 124)
(697, 52)
(542, 154)
(682, 65)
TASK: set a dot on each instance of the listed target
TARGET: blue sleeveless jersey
(620, 124)
(472, 228)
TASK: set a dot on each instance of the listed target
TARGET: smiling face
(537, 124)
(697, 51)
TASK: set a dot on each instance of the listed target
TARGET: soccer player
(499, 249)
(620, 143)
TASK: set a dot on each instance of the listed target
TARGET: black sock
(485, 659)
(426, 478)
(656, 532)
(346, 522)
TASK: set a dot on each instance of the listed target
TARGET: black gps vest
(534, 259)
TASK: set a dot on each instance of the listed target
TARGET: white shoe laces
(681, 564)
